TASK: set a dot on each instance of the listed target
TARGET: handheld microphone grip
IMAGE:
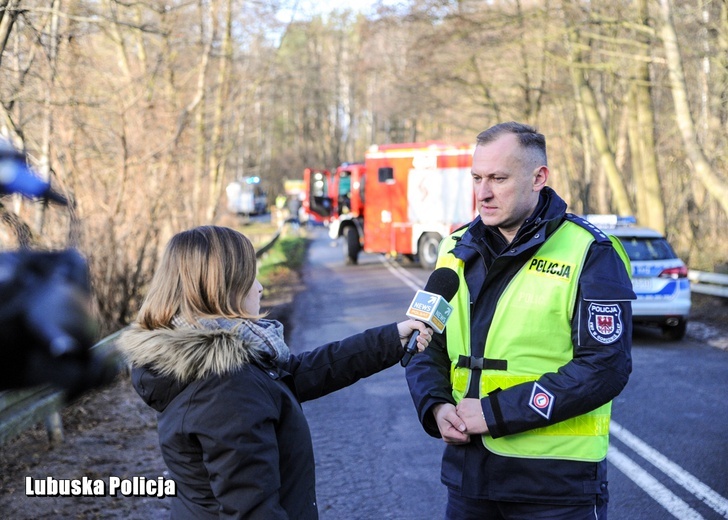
(410, 350)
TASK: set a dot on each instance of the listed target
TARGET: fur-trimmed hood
(186, 354)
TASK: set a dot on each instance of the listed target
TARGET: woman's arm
(338, 364)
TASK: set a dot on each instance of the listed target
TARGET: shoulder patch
(542, 401)
(605, 322)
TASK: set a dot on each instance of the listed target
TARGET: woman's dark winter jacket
(236, 442)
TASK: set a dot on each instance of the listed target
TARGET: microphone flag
(430, 308)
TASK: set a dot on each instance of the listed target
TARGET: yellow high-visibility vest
(531, 331)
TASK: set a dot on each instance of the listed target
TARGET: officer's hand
(452, 428)
(471, 412)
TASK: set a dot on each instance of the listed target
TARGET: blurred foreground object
(46, 329)
(17, 177)
(45, 323)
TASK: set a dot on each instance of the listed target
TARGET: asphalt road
(373, 460)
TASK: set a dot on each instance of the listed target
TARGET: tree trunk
(44, 166)
(584, 181)
(652, 210)
(620, 198)
(200, 103)
(8, 15)
(717, 187)
(723, 66)
(218, 156)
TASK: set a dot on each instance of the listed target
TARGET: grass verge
(279, 270)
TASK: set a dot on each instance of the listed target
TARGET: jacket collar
(544, 220)
(186, 354)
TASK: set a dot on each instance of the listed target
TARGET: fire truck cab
(402, 200)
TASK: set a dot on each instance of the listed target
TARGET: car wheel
(675, 332)
(428, 246)
(351, 245)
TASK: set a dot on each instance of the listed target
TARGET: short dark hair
(528, 137)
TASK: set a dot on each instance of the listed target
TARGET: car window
(645, 248)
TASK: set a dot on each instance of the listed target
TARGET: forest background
(141, 111)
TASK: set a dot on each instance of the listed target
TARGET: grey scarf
(264, 337)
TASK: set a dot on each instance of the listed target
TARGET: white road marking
(401, 273)
(672, 470)
(650, 485)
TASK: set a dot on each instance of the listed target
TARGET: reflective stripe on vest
(531, 329)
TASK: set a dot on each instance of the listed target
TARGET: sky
(325, 6)
(307, 7)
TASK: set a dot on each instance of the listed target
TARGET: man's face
(506, 189)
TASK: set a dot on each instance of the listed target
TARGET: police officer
(520, 384)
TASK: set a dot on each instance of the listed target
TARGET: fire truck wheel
(351, 245)
(427, 250)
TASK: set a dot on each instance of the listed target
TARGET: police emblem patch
(605, 322)
(542, 401)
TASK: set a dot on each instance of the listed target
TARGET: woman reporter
(226, 387)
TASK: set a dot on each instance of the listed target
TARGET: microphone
(431, 306)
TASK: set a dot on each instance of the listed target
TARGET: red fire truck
(329, 196)
(402, 200)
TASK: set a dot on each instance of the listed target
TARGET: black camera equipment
(46, 328)
(45, 323)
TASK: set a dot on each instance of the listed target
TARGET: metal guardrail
(714, 284)
(22, 409)
(265, 248)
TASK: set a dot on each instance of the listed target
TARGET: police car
(659, 277)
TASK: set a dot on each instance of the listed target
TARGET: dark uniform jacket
(596, 375)
(237, 443)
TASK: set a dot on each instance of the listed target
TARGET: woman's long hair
(205, 272)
